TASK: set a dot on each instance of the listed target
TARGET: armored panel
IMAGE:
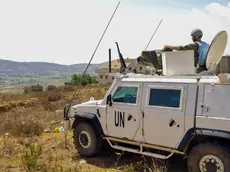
(178, 63)
(216, 101)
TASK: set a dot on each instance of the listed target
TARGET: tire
(212, 152)
(86, 140)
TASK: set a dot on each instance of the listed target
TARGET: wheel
(209, 157)
(86, 140)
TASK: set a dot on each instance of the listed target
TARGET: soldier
(154, 58)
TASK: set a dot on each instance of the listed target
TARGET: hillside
(14, 76)
(12, 68)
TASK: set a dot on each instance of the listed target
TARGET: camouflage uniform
(154, 58)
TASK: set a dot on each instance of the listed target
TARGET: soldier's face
(194, 38)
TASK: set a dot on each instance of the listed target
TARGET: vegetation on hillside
(23, 69)
(50, 87)
(78, 79)
(33, 88)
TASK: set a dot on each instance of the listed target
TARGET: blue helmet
(197, 32)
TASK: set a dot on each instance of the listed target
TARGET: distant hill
(12, 68)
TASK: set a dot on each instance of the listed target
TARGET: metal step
(157, 155)
(139, 151)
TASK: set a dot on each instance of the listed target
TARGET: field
(16, 84)
(29, 141)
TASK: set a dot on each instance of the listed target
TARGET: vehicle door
(164, 110)
(123, 116)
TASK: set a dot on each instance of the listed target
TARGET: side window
(165, 98)
(125, 95)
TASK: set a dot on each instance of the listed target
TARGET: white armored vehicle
(180, 112)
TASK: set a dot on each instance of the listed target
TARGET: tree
(33, 88)
(50, 87)
(78, 79)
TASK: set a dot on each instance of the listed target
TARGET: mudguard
(202, 132)
(92, 118)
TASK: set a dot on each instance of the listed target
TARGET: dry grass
(30, 114)
(25, 147)
(51, 100)
(54, 152)
(22, 124)
(27, 121)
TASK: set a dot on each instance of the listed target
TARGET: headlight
(66, 112)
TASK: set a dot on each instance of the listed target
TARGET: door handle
(171, 123)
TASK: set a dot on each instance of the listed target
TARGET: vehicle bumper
(68, 123)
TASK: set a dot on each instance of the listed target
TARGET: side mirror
(109, 100)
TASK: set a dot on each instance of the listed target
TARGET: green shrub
(33, 88)
(37, 88)
(50, 87)
(26, 90)
(54, 96)
(30, 159)
(27, 128)
(78, 79)
(32, 128)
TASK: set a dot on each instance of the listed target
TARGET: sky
(68, 31)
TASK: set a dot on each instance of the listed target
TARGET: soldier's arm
(170, 47)
(187, 47)
(178, 48)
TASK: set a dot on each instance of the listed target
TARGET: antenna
(69, 105)
(153, 35)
